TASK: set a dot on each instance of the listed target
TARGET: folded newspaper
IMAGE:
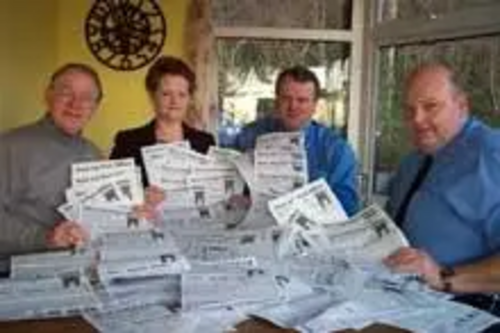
(315, 222)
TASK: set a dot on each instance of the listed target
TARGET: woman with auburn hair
(170, 84)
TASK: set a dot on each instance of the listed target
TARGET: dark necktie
(415, 185)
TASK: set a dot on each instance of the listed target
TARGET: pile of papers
(292, 257)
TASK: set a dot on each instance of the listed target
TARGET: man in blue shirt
(452, 220)
(328, 155)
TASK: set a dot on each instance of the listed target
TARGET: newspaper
(314, 200)
(102, 195)
(223, 153)
(218, 216)
(219, 288)
(296, 260)
(316, 223)
(137, 245)
(111, 182)
(408, 310)
(368, 236)
(196, 186)
(130, 292)
(99, 221)
(297, 311)
(227, 246)
(60, 296)
(280, 163)
(337, 276)
(51, 264)
(148, 318)
(164, 264)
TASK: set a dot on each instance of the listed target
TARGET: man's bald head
(435, 106)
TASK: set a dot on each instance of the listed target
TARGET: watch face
(125, 34)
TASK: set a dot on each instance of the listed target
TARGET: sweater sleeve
(17, 232)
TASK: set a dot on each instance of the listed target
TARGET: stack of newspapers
(292, 257)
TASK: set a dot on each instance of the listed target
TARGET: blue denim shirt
(328, 156)
(455, 214)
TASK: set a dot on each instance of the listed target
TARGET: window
(248, 69)
(426, 9)
(472, 47)
(258, 38)
(308, 14)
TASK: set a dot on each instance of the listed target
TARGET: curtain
(200, 54)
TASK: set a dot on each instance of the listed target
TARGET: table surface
(79, 325)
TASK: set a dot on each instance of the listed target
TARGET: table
(79, 325)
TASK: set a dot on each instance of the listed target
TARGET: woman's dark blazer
(128, 143)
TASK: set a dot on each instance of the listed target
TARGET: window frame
(353, 36)
(460, 24)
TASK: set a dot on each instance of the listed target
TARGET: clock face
(125, 34)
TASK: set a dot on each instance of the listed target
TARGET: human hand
(411, 260)
(153, 196)
(144, 212)
(66, 234)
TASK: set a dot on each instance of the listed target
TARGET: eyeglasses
(67, 95)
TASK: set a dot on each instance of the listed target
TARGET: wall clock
(125, 34)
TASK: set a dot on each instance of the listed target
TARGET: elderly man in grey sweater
(35, 163)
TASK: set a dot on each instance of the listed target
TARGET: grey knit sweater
(34, 173)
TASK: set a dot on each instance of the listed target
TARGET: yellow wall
(28, 53)
(126, 103)
(52, 33)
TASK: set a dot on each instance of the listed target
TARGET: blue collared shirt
(328, 156)
(455, 214)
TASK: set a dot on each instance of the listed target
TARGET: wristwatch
(445, 274)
